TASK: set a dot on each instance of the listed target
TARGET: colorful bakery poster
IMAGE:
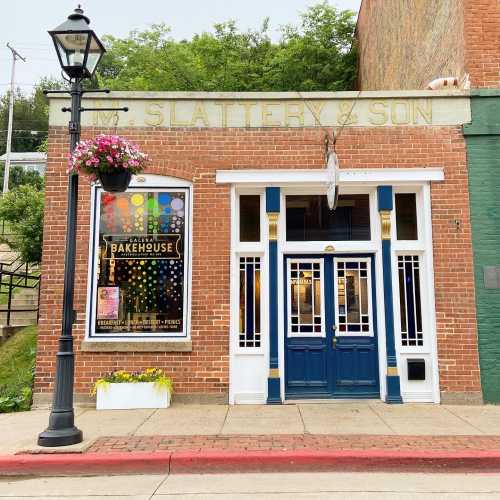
(108, 302)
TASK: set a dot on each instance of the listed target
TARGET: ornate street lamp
(79, 51)
(77, 46)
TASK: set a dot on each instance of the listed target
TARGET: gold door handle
(334, 342)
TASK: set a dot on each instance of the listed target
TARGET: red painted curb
(84, 463)
(248, 461)
(334, 460)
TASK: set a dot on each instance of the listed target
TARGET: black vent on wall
(416, 369)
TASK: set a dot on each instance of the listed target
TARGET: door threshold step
(313, 401)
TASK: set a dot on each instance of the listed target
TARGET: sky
(25, 24)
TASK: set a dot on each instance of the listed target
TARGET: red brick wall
(390, 33)
(444, 38)
(196, 154)
(482, 42)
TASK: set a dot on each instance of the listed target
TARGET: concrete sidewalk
(19, 431)
(277, 486)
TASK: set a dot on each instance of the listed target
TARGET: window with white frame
(308, 218)
(249, 212)
(353, 288)
(409, 246)
(249, 303)
(409, 276)
(305, 292)
(140, 263)
(406, 216)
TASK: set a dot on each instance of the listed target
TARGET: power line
(15, 57)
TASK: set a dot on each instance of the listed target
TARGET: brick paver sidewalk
(293, 442)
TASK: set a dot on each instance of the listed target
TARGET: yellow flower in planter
(155, 375)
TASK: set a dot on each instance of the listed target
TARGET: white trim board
(287, 177)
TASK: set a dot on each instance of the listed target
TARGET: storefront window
(308, 218)
(141, 263)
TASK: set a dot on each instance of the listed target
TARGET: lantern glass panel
(94, 55)
(71, 47)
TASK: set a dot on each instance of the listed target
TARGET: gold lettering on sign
(267, 114)
(199, 113)
(224, 109)
(248, 112)
(294, 110)
(404, 119)
(174, 122)
(379, 109)
(345, 115)
(105, 118)
(316, 108)
(417, 108)
(155, 116)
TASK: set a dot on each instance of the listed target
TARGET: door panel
(306, 357)
(330, 328)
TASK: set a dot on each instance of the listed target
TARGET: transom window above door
(308, 218)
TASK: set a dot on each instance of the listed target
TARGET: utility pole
(15, 57)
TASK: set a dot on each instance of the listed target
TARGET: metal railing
(5, 229)
(17, 276)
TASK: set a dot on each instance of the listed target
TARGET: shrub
(22, 209)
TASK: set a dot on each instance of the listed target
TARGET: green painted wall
(483, 155)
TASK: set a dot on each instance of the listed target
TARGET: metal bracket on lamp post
(61, 430)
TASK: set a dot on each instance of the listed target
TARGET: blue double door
(330, 327)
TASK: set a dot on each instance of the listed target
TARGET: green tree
(22, 208)
(30, 118)
(18, 176)
(317, 54)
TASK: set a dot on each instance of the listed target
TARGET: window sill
(131, 346)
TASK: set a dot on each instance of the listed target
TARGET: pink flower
(109, 158)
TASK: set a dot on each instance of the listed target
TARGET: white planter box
(129, 396)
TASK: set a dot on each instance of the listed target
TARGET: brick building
(452, 38)
(277, 296)
(252, 289)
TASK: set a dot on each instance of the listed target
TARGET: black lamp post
(79, 51)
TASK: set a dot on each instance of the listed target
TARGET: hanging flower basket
(115, 182)
(111, 159)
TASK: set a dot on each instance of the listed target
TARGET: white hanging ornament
(332, 189)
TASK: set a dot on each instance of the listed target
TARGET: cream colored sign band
(245, 113)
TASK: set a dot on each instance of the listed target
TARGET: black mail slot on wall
(416, 369)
